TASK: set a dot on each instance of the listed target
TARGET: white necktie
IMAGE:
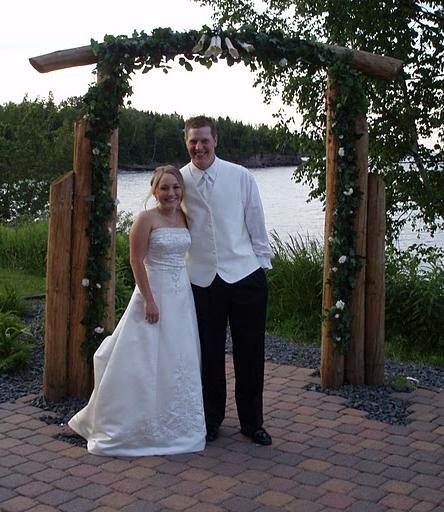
(205, 185)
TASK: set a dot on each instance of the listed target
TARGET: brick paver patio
(324, 457)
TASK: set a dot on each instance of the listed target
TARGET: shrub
(124, 274)
(23, 246)
(15, 354)
(414, 305)
(295, 289)
(11, 301)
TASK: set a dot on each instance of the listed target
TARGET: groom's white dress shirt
(226, 222)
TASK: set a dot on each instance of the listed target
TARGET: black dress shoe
(212, 433)
(259, 436)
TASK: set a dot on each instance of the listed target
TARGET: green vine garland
(345, 264)
(119, 57)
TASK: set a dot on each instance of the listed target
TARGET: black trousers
(243, 305)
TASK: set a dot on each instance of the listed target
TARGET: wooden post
(58, 300)
(375, 282)
(110, 310)
(110, 297)
(332, 361)
(79, 371)
(354, 360)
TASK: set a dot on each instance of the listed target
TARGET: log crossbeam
(370, 64)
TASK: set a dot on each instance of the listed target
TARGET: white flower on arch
(249, 48)
(215, 48)
(231, 49)
(200, 44)
(340, 305)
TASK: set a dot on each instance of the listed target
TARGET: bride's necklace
(170, 219)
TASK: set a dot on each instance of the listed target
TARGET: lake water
(285, 204)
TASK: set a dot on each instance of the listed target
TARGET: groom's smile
(201, 146)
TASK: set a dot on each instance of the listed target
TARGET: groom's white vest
(220, 242)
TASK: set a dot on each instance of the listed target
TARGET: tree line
(36, 141)
(406, 116)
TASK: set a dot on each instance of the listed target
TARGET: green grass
(400, 349)
(23, 247)
(415, 309)
(295, 289)
(23, 283)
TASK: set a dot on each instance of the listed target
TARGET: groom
(229, 252)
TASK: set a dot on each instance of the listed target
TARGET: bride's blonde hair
(159, 172)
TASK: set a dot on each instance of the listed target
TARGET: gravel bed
(380, 402)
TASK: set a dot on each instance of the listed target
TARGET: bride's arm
(138, 238)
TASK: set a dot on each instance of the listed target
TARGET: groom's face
(201, 146)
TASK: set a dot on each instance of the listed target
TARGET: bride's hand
(151, 312)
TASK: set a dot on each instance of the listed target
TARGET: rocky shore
(260, 160)
(381, 402)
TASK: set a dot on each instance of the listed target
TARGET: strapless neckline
(169, 227)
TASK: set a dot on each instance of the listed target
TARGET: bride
(147, 397)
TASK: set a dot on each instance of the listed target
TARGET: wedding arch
(80, 284)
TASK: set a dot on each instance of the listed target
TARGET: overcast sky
(29, 28)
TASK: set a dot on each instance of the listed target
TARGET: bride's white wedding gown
(147, 397)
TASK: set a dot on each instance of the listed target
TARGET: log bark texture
(79, 370)
(332, 361)
(110, 313)
(371, 64)
(63, 59)
(375, 282)
(58, 298)
(354, 360)
(376, 66)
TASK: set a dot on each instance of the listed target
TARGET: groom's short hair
(200, 122)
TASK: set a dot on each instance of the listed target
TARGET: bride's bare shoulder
(144, 220)
(146, 215)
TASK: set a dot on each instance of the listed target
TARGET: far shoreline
(260, 161)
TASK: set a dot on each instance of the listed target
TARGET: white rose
(342, 259)
(99, 329)
(85, 281)
(341, 152)
(340, 304)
